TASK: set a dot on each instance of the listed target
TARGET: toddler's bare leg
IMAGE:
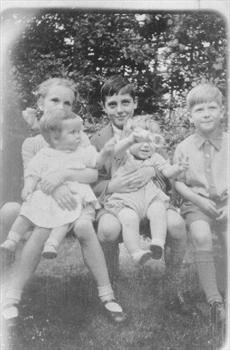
(17, 232)
(131, 235)
(54, 241)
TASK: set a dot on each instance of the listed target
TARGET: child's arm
(29, 186)
(106, 152)
(172, 171)
(138, 135)
(113, 148)
(205, 204)
(118, 149)
(80, 169)
(56, 179)
(223, 214)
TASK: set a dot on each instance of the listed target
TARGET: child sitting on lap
(63, 132)
(139, 148)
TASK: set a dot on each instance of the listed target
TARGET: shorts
(104, 211)
(192, 213)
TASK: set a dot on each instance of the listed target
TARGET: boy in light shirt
(204, 187)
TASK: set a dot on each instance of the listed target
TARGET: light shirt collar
(116, 132)
(215, 141)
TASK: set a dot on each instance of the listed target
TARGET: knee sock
(111, 253)
(158, 241)
(207, 275)
(177, 252)
(12, 296)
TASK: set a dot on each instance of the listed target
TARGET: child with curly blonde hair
(139, 147)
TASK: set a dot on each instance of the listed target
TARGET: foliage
(164, 54)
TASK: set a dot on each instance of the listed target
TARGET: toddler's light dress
(41, 209)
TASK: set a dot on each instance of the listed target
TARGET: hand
(208, 207)
(132, 181)
(64, 198)
(109, 147)
(222, 214)
(51, 181)
(183, 163)
(140, 135)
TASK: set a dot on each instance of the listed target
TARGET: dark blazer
(98, 140)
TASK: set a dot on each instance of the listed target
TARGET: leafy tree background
(163, 53)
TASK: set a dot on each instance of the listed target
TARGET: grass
(60, 311)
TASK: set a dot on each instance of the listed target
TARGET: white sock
(158, 241)
(13, 296)
(105, 293)
(53, 242)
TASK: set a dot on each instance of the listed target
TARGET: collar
(116, 132)
(215, 141)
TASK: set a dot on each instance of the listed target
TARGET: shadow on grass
(60, 311)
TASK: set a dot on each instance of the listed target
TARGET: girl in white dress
(62, 130)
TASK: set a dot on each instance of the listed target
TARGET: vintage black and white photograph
(121, 243)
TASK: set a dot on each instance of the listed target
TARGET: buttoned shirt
(208, 164)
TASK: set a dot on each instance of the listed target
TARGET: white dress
(41, 209)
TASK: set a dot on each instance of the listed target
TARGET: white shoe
(9, 245)
(10, 312)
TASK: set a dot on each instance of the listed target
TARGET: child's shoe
(10, 312)
(49, 251)
(9, 245)
(114, 311)
(157, 251)
(217, 312)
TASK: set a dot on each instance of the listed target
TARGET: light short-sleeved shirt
(196, 177)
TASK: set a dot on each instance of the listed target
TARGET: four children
(127, 192)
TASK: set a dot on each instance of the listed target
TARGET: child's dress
(41, 209)
(141, 199)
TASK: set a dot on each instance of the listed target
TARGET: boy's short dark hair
(117, 84)
(203, 93)
(51, 122)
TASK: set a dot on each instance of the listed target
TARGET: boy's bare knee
(83, 230)
(201, 235)
(109, 228)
